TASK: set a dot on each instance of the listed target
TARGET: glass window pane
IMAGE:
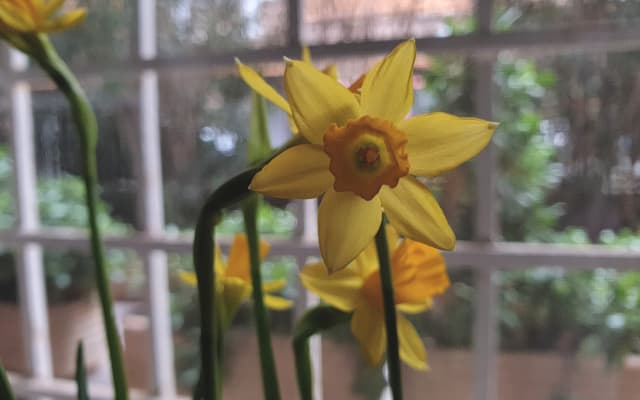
(12, 348)
(107, 35)
(568, 335)
(189, 27)
(204, 130)
(544, 14)
(61, 191)
(7, 185)
(348, 21)
(569, 145)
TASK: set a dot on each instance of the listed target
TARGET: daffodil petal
(274, 286)
(235, 292)
(387, 90)
(277, 303)
(238, 261)
(218, 264)
(438, 142)
(393, 239)
(340, 289)
(331, 70)
(366, 262)
(15, 18)
(367, 326)
(51, 7)
(257, 83)
(346, 225)
(188, 278)
(415, 308)
(415, 213)
(306, 54)
(317, 100)
(68, 20)
(301, 172)
(412, 349)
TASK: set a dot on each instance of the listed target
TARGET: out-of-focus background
(545, 296)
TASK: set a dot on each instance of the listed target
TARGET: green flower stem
(390, 320)
(85, 120)
(226, 195)
(81, 374)
(267, 363)
(5, 387)
(304, 369)
(313, 321)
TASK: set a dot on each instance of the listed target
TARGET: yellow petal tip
(237, 60)
(451, 246)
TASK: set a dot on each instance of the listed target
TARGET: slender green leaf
(259, 144)
(267, 363)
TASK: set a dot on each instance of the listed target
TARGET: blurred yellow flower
(419, 273)
(362, 154)
(233, 280)
(37, 16)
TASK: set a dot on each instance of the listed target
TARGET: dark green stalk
(313, 321)
(81, 374)
(85, 120)
(229, 193)
(304, 369)
(267, 363)
(390, 321)
(224, 196)
(5, 387)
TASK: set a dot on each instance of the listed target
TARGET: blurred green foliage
(544, 309)
(68, 274)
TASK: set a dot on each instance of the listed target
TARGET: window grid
(484, 254)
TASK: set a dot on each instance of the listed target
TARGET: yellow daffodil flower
(419, 273)
(233, 280)
(362, 155)
(37, 16)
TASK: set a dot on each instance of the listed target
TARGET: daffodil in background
(363, 153)
(419, 273)
(233, 281)
(38, 16)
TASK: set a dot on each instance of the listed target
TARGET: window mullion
(29, 263)
(485, 325)
(153, 207)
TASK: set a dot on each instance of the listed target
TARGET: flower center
(365, 154)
